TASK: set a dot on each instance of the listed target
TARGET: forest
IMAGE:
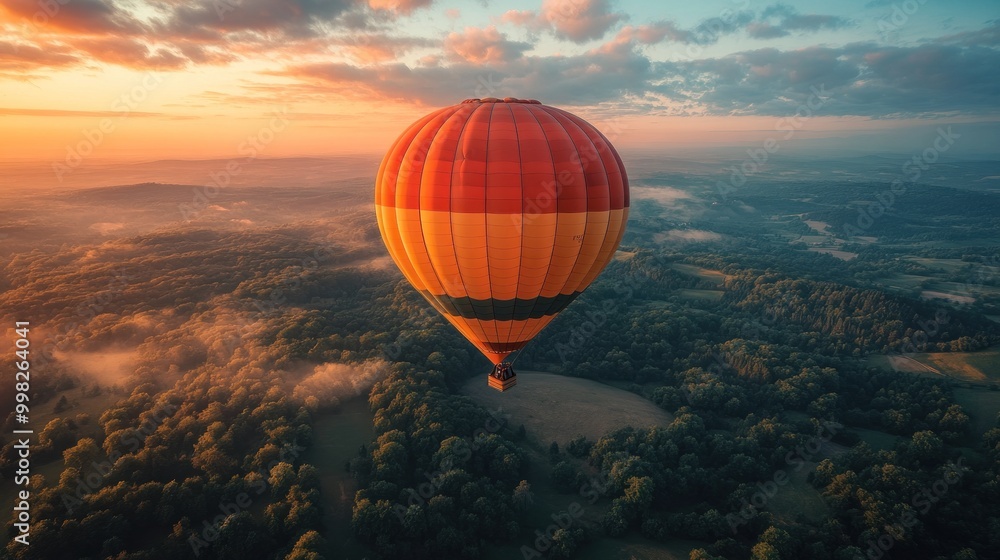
(762, 355)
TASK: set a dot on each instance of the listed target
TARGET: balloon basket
(502, 377)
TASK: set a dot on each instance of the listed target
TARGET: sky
(162, 79)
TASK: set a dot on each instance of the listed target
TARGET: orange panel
(593, 240)
(570, 229)
(616, 228)
(394, 243)
(470, 251)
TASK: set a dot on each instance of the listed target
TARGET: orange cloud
(483, 46)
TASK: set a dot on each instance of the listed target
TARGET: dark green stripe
(500, 309)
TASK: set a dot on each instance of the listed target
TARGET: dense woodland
(754, 379)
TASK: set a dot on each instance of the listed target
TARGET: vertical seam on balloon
(520, 256)
(420, 220)
(607, 228)
(419, 125)
(409, 145)
(486, 221)
(451, 188)
(621, 226)
(555, 200)
(451, 213)
(587, 202)
(583, 171)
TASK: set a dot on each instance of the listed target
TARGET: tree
(523, 498)
(780, 540)
(639, 494)
(616, 521)
(764, 551)
(308, 547)
(579, 447)
(62, 405)
(563, 477)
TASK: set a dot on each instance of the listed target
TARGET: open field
(904, 281)
(952, 298)
(798, 497)
(711, 295)
(973, 367)
(949, 265)
(559, 408)
(337, 438)
(876, 439)
(910, 365)
(714, 276)
(837, 253)
(968, 366)
(818, 227)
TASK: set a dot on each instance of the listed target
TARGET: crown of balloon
(503, 100)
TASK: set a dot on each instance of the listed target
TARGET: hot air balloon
(500, 212)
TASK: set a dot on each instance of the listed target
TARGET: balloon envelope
(500, 213)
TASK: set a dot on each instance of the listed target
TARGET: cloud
(295, 18)
(578, 21)
(399, 6)
(861, 79)
(65, 113)
(988, 36)
(483, 46)
(180, 34)
(654, 33)
(14, 56)
(332, 382)
(589, 78)
(526, 18)
(368, 48)
(780, 20)
(130, 52)
(87, 16)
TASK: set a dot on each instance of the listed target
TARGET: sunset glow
(143, 80)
